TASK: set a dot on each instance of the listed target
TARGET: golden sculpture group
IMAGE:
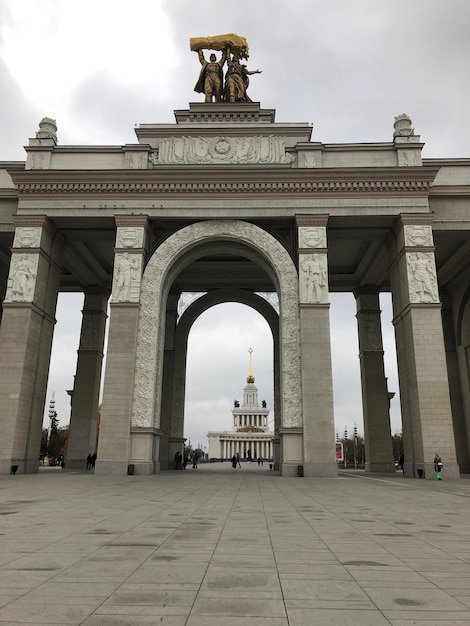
(211, 79)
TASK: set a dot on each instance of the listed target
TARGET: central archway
(169, 259)
(174, 398)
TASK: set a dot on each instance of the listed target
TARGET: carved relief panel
(313, 278)
(370, 333)
(127, 277)
(22, 278)
(198, 150)
(422, 279)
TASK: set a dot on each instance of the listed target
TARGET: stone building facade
(250, 436)
(229, 202)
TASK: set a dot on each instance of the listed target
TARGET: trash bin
(270, 467)
(130, 469)
(420, 473)
(13, 469)
(300, 471)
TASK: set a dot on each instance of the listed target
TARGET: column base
(289, 469)
(75, 464)
(321, 470)
(108, 468)
(15, 466)
(8, 466)
(146, 468)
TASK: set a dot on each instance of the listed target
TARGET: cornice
(225, 180)
(450, 190)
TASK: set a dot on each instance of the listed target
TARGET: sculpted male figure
(211, 77)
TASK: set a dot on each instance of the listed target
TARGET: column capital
(413, 219)
(366, 290)
(41, 221)
(131, 220)
(311, 220)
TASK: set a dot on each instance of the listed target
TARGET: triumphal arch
(229, 203)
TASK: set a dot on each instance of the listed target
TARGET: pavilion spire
(250, 378)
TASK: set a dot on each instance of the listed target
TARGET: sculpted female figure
(236, 79)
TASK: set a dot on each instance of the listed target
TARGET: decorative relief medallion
(27, 237)
(136, 160)
(250, 429)
(312, 237)
(129, 237)
(310, 160)
(198, 150)
(418, 235)
(422, 277)
(126, 278)
(313, 279)
(22, 278)
(37, 161)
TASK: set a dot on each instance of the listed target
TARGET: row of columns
(230, 447)
(29, 317)
(259, 421)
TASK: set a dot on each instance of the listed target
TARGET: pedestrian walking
(438, 466)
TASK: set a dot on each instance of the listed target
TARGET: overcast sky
(99, 67)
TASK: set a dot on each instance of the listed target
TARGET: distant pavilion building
(250, 436)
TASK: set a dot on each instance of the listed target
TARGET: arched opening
(217, 367)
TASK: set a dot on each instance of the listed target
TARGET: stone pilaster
(25, 342)
(375, 402)
(115, 446)
(424, 388)
(85, 396)
(317, 379)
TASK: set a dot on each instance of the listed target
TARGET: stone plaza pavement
(216, 544)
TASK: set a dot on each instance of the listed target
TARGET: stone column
(86, 390)
(424, 387)
(317, 381)
(172, 430)
(455, 385)
(375, 402)
(25, 342)
(3, 287)
(120, 443)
